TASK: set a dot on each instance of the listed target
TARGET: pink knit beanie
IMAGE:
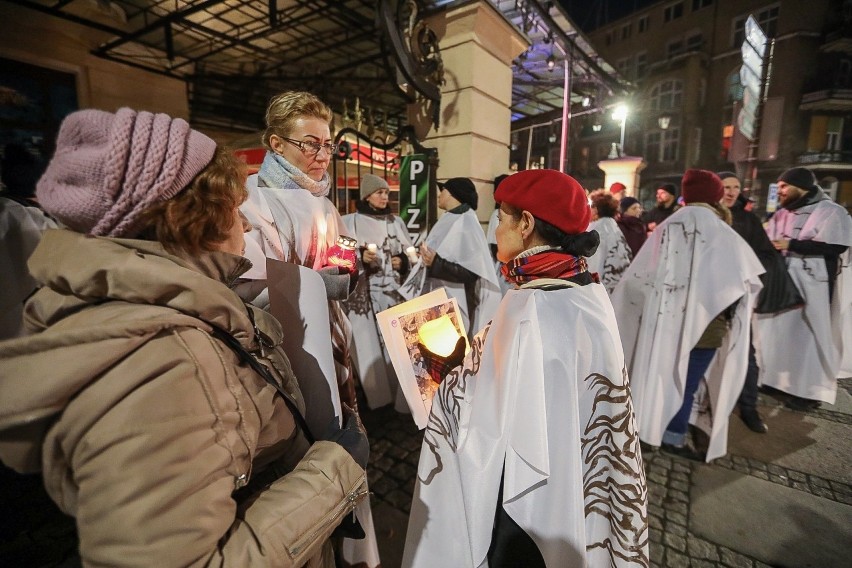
(109, 168)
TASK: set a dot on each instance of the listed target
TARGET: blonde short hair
(286, 108)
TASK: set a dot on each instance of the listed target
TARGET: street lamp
(620, 114)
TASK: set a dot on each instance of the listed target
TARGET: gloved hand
(337, 282)
(437, 366)
(352, 437)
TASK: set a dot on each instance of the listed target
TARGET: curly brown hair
(200, 216)
(284, 109)
(604, 202)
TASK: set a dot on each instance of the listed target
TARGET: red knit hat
(550, 196)
(617, 187)
(701, 186)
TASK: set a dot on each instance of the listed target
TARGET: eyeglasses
(312, 148)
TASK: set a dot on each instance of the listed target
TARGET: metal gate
(359, 154)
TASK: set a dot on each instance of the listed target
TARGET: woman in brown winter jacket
(157, 405)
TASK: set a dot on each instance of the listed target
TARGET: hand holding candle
(442, 347)
(411, 253)
(369, 256)
(342, 254)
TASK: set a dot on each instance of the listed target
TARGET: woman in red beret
(531, 446)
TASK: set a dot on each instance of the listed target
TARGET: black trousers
(748, 396)
(511, 547)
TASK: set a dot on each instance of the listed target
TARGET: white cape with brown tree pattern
(543, 393)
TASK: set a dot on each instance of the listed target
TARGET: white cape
(290, 225)
(373, 294)
(800, 351)
(459, 238)
(613, 256)
(544, 392)
(692, 267)
(21, 228)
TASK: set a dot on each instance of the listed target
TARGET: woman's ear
(275, 143)
(527, 224)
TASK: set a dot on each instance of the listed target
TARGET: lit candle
(411, 253)
(439, 336)
(343, 253)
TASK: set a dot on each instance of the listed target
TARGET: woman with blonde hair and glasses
(293, 221)
(291, 216)
(160, 408)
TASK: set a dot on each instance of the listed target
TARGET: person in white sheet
(456, 255)
(293, 220)
(613, 255)
(684, 303)
(383, 238)
(801, 351)
(21, 224)
(531, 455)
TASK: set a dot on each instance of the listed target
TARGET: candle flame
(439, 336)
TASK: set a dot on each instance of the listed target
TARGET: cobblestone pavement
(395, 449)
(34, 533)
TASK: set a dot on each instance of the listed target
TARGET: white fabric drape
(692, 268)
(543, 396)
(800, 351)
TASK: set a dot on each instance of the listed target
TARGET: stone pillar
(625, 170)
(477, 45)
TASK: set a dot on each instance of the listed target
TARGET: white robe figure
(691, 268)
(21, 228)
(290, 225)
(375, 293)
(491, 239)
(459, 238)
(293, 225)
(613, 255)
(800, 351)
(543, 391)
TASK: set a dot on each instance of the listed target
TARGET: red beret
(701, 186)
(550, 196)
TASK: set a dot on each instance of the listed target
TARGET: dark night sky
(590, 14)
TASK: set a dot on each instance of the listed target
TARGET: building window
(674, 47)
(844, 73)
(643, 24)
(834, 134)
(694, 41)
(608, 38)
(766, 17)
(662, 145)
(625, 31)
(733, 87)
(673, 12)
(667, 95)
(623, 67)
(698, 4)
(669, 147)
(641, 64)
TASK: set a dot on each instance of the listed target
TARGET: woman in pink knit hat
(140, 395)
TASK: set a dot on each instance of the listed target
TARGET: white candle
(371, 247)
(411, 253)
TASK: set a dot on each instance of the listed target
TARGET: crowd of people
(149, 375)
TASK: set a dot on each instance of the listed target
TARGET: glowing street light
(620, 114)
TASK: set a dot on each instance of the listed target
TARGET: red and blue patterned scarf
(547, 264)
